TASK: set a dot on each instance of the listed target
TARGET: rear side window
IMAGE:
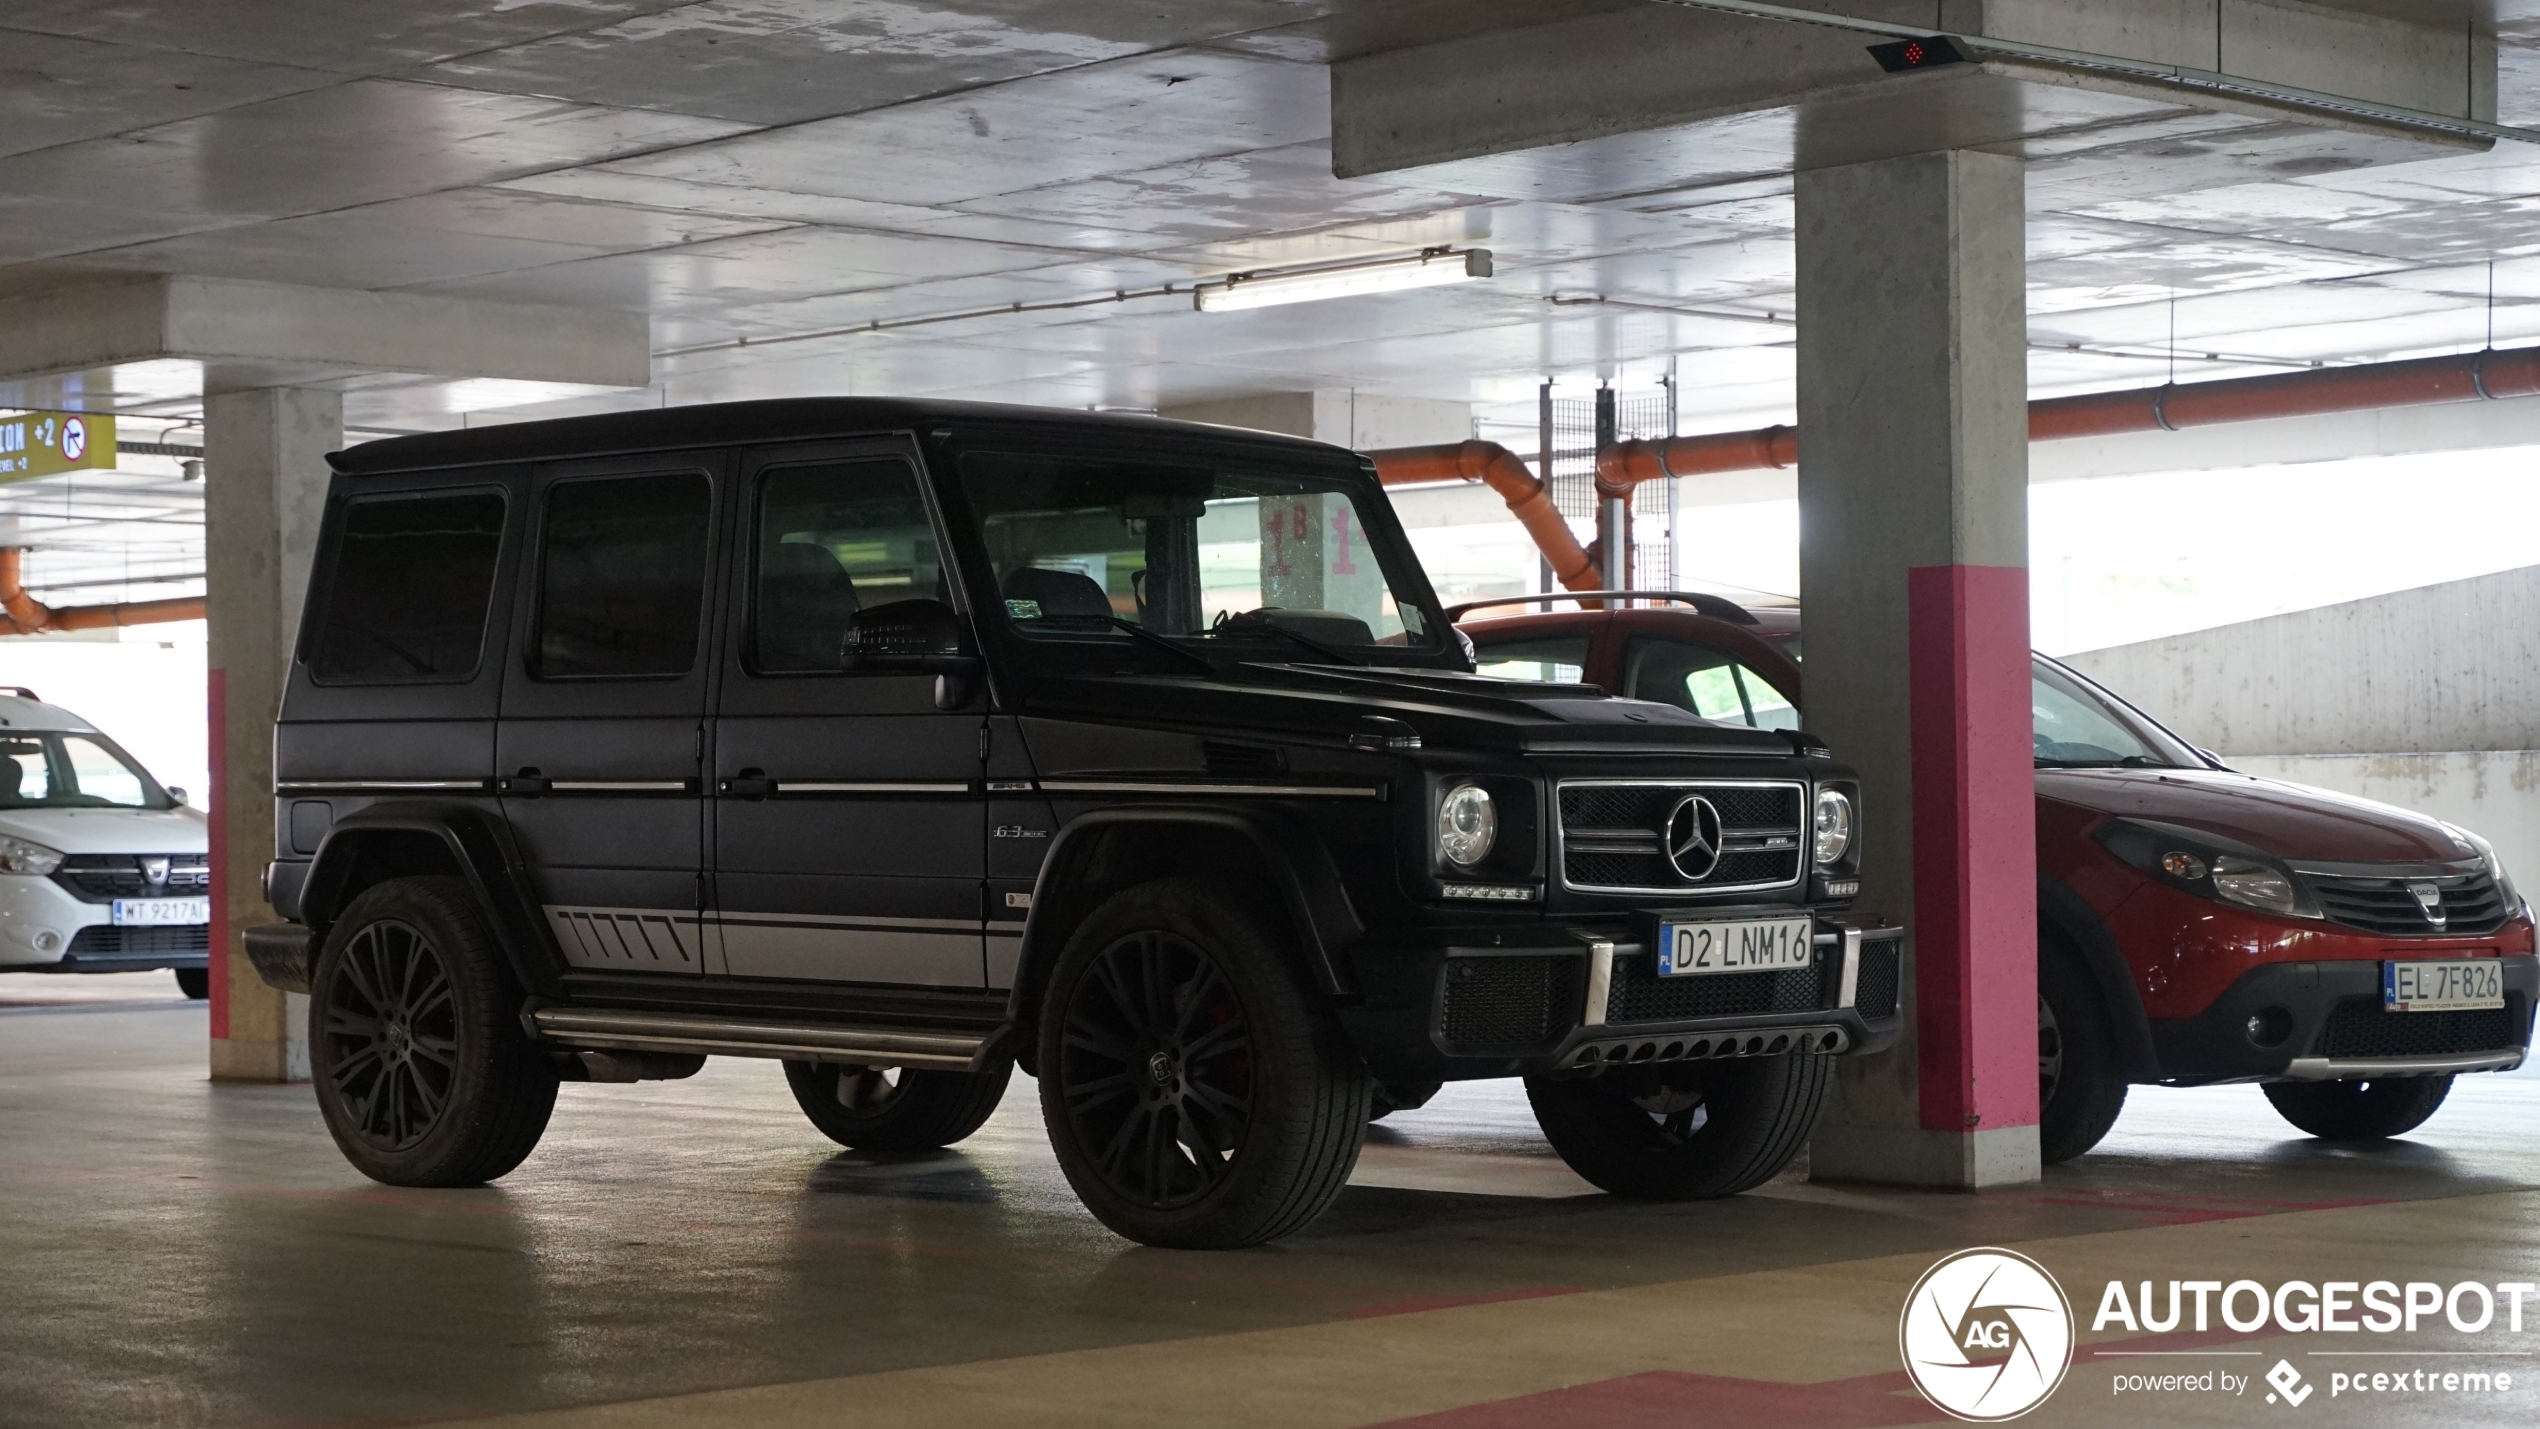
(622, 577)
(1706, 682)
(1559, 659)
(413, 576)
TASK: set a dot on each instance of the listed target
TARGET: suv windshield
(1196, 554)
(2080, 727)
(73, 771)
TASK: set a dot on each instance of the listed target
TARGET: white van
(102, 869)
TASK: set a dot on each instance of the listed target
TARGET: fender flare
(1298, 865)
(482, 847)
(2068, 915)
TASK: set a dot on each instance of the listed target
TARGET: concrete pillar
(264, 490)
(1913, 560)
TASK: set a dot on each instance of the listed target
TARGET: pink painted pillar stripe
(1975, 846)
(217, 697)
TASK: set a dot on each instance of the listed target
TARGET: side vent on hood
(1242, 759)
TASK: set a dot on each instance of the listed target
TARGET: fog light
(46, 940)
(2269, 1026)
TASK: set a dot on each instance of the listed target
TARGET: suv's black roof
(727, 423)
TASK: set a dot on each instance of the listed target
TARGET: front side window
(1551, 659)
(834, 539)
(622, 577)
(412, 579)
(2077, 729)
(1708, 682)
(1271, 564)
(73, 771)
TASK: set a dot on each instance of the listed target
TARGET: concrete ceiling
(769, 169)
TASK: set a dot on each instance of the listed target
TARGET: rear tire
(423, 1071)
(195, 983)
(1197, 1095)
(2080, 1090)
(1684, 1131)
(896, 1108)
(2367, 1109)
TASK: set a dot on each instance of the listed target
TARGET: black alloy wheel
(896, 1108)
(1157, 1070)
(422, 1068)
(1197, 1094)
(1683, 1131)
(391, 1026)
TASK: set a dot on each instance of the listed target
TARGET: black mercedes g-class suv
(908, 742)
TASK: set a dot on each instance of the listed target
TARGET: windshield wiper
(1247, 626)
(1122, 622)
(2131, 761)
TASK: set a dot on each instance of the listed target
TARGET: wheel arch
(2066, 921)
(398, 840)
(1276, 855)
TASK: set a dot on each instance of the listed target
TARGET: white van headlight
(20, 856)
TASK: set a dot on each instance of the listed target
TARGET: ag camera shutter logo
(1986, 1335)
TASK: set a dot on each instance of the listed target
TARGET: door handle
(749, 784)
(527, 784)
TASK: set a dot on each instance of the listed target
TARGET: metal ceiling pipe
(1500, 469)
(29, 616)
(2172, 407)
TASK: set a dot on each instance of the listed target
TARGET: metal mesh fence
(1573, 480)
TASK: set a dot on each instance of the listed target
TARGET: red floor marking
(1415, 1304)
(1668, 1399)
(2172, 1209)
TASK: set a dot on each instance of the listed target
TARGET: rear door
(849, 813)
(601, 743)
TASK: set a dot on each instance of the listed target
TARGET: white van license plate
(1758, 945)
(2471, 985)
(161, 912)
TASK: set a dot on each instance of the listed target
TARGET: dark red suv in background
(2195, 925)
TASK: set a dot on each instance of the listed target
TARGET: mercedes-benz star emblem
(1693, 837)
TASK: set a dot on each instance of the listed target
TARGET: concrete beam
(1361, 421)
(250, 335)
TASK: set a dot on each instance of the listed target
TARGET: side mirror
(914, 635)
(177, 792)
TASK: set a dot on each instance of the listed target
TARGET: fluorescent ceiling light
(1432, 268)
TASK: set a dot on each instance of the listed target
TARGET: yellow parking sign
(34, 444)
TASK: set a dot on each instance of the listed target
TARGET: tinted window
(2075, 728)
(622, 576)
(1707, 682)
(1557, 659)
(412, 578)
(832, 540)
(72, 771)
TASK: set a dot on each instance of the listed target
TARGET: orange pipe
(1503, 472)
(2377, 386)
(29, 616)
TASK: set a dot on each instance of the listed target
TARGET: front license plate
(161, 912)
(1756, 945)
(2465, 986)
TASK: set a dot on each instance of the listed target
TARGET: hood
(1445, 707)
(2290, 821)
(179, 830)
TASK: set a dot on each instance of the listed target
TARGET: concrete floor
(692, 1253)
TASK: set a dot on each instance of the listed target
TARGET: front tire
(1196, 1095)
(896, 1108)
(2080, 1092)
(423, 1071)
(2369, 1109)
(1683, 1131)
(195, 983)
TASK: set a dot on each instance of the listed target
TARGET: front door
(849, 816)
(600, 745)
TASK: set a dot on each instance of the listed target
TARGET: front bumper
(2323, 1021)
(44, 929)
(1567, 997)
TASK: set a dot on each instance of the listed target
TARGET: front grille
(1511, 1002)
(1882, 967)
(105, 941)
(2362, 1027)
(2472, 904)
(1613, 836)
(105, 877)
(1639, 994)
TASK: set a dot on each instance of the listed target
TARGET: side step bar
(813, 1042)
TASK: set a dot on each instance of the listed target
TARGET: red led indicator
(1921, 53)
(1914, 52)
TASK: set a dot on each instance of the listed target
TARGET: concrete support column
(1913, 558)
(264, 490)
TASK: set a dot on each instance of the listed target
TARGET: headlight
(19, 856)
(2495, 866)
(1833, 826)
(1467, 825)
(2184, 860)
(2252, 884)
